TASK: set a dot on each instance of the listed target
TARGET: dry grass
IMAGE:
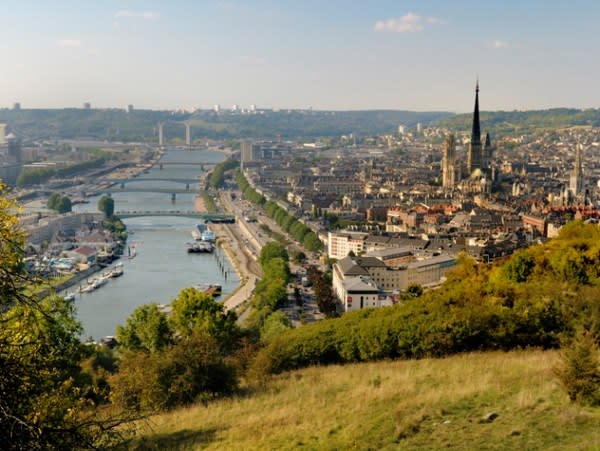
(426, 404)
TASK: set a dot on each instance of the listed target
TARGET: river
(161, 267)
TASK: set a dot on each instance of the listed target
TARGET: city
(323, 262)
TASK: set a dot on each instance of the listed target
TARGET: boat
(117, 271)
(208, 235)
(69, 297)
(214, 289)
(199, 247)
(197, 232)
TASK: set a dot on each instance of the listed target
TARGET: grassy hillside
(424, 404)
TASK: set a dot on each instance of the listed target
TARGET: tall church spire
(476, 133)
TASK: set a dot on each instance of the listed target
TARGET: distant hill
(140, 125)
(471, 401)
(519, 122)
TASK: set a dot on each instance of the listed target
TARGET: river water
(161, 267)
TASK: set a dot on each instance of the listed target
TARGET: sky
(329, 54)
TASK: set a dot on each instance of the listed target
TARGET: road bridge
(133, 189)
(157, 179)
(185, 163)
(210, 217)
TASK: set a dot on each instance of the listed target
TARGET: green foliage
(579, 369)
(414, 290)
(117, 227)
(197, 312)
(272, 250)
(59, 203)
(209, 203)
(146, 329)
(520, 267)
(275, 324)
(515, 122)
(529, 300)
(37, 176)
(194, 369)
(106, 205)
(41, 383)
(217, 177)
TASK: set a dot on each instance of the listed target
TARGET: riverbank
(246, 269)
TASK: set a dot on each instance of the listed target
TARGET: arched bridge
(210, 217)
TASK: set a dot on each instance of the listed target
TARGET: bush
(579, 370)
(192, 370)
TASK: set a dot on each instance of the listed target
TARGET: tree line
(299, 231)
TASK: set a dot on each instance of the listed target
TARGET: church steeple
(476, 132)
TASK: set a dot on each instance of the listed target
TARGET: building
(475, 154)
(367, 281)
(449, 175)
(249, 152)
(17, 106)
(576, 181)
(87, 105)
(130, 108)
(340, 244)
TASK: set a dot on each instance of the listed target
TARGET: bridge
(210, 217)
(157, 179)
(129, 189)
(185, 163)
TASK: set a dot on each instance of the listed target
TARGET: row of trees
(217, 176)
(287, 222)
(37, 176)
(270, 292)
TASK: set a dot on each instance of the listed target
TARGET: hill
(140, 125)
(424, 404)
(520, 122)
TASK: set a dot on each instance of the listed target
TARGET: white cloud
(69, 43)
(436, 21)
(408, 23)
(137, 14)
(498, 44)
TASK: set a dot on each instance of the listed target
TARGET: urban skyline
(335, 56)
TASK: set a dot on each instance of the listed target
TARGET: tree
(272, 250)
(146, 329)
(64, 205)
(195, 311)
(193, 369)
(53, 201)
(41, 406)
(106, 205)
(414, 290)
(579, 369)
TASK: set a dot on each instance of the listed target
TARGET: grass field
(426, 404)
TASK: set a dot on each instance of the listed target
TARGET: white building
(339, 244)
(366, 280)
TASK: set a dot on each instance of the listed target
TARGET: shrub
(579, 369)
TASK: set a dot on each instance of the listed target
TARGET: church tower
(576, 181)
(488, 154)
(449, 163)
(474, 156)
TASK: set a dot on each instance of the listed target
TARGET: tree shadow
(179, 440)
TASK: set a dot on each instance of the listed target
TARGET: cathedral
(478, 172)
